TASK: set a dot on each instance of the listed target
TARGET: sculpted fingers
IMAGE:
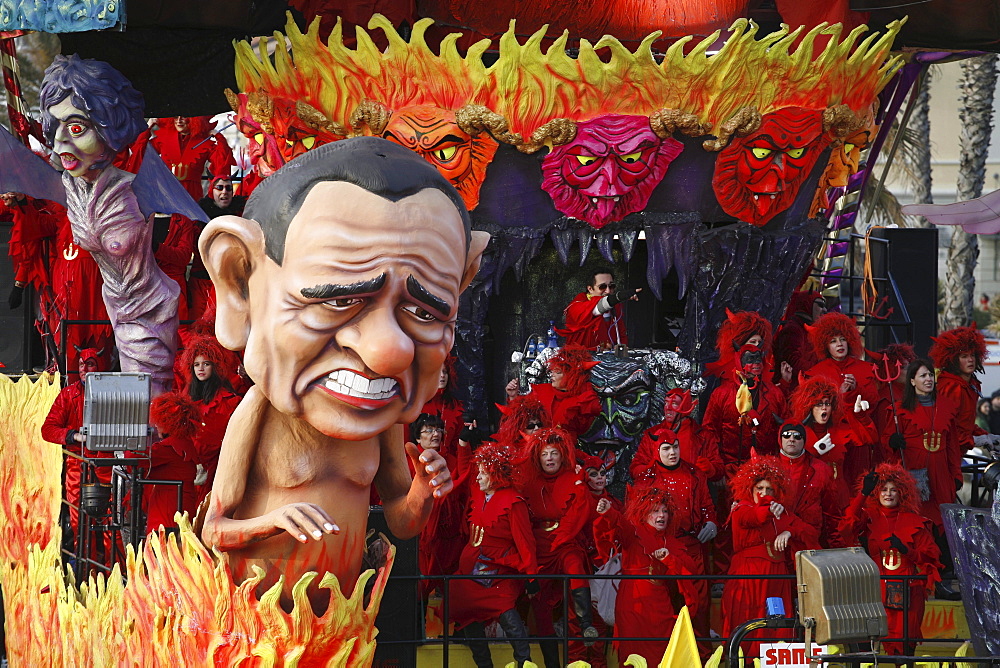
(303, 520)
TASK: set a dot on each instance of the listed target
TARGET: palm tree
(978, 84)
(919, 171)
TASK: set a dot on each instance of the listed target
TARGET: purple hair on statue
(113, 105)
(609, 170)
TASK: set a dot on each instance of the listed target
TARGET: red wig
(175, 414)
(949, 345)
(643, 500)
(209, 348)
(909, 497)
(810, 393)
(737, 330)
(451, 368)
(554, 437)
(497, 460)
(575, 362)
(517, 414)
(205, 324)
(755, 470)
(831, 325)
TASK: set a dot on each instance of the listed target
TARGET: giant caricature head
(609, 170)
(90, 111)
(262, 147)
(435, 134)
(758, 176)
(342, 284)
(298, 127)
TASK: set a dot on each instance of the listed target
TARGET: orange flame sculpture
(174, 604)
(529, 87)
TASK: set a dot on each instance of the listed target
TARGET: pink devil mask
(609, 170)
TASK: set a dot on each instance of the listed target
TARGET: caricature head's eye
(632, 157)
(76, 129)
(342, 304)
(259, 137)
(848, 148)
(289, 143)
(586, 159)
(796, 152)
(446, 153)
(760, 152)
(308, 142)
(419, 313)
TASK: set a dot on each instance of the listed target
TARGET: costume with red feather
(575, 407)
(867, 519)
(734, 333)
(754, 530)
(963, 393)
(838, 324)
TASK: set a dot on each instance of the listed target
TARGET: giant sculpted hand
(430, 472)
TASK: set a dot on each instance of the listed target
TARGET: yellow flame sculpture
(529, 86)
(174, 604)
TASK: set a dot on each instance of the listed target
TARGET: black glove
(898, 544)
(869, 484)
(16, 297)
(621, 296)
(959, 484)
(897, 442)
(70, 437)
(472, 436)
(532, 587)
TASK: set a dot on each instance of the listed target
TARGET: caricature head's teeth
(344, 381)
(616, 198)
(756, 197)
(593, 200)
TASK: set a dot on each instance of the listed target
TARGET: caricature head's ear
(232, 248)
(477, 244)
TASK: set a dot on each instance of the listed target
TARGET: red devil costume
(755, 529)
(444, 405)
(500, 542)
(214, 398)
(812, 495)
(559, 505)
(517, 417)
(187, 154)
(63, 423)
(899, 539)
(736, 332)
(173, 457)
(174, 253)
(588, 329)
(848, 431)
(791, 343)
(961, 388)
(891, 360)
(575, 404)
(820, 334)
(677, 409)
(644, 607)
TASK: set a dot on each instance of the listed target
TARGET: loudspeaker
(400, 617)
(909, 260)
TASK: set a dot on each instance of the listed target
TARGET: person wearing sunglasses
(595, 318)
(811, 496)
(219, 201)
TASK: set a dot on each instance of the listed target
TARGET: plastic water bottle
(553, 337)
(532, 348)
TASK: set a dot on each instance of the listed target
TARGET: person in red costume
(206, 366)
(595, 318)
(744, 412)
(765, 537)
(837, 344)
(958, 354)
(443, 536)
(739, 329)
(445, 406)
(500, 542)
(812, 496)
(791, 343)
(596, 478)
(892, 359)
(694, 517)
(885, 519)
(220, 201)
(26, 246)
(521, 417)
(833, 433)
(173, 248)
(677, 408)
(559, 505)
(76, 281)
(930, 427)
(186, 145)
(63, 424)
(569, 399)
(173, 457)
(645, 536)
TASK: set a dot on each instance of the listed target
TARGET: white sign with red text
(787, 655)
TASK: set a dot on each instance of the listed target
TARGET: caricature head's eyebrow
(421, 294)
(338, 291)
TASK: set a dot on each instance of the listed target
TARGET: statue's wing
(976, 216)
(159, 191)
(21, 171)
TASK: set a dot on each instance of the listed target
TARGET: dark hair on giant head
(113, 105)
(377, 165)
(910, 392)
